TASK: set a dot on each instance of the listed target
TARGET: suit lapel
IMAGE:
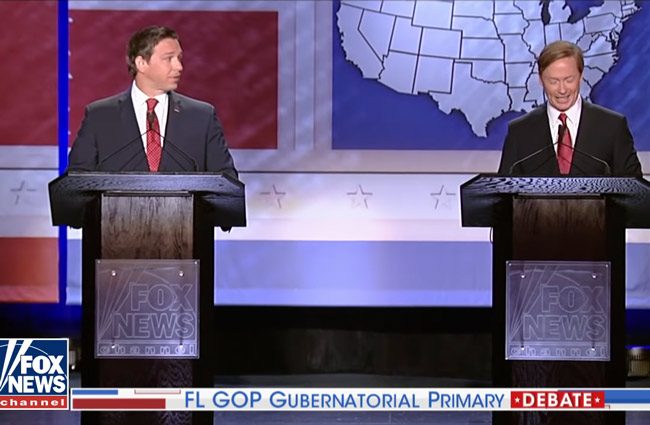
(584, 126)
(541, 130)
(130, 130)
(172, 131)
(542, 138)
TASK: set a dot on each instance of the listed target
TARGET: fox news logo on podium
(34, 374)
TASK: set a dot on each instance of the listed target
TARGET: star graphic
(20, 190)
(442, 198)
(359, 197)
(275, 195)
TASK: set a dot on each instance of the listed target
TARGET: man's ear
(140, 63)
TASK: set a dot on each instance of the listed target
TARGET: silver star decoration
(21, 190)
(442, 198)
(359, 197)
(275, 195)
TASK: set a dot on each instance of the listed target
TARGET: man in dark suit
(150, 127)
(568, 136)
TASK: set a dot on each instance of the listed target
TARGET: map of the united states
(464, 51)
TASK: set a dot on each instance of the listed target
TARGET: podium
(559, 219)
(145, 219)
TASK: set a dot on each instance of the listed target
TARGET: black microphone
(151, 117)
(608, 170)
(561, 129)
(560, 132)
(128, 145)
(534, 154)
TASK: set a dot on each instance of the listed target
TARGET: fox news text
(34, 374)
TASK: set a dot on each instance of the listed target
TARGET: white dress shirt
(572, 121)
(139, 100)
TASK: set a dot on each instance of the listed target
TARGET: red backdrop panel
(29, 270)
(28, 115)
(230, 60)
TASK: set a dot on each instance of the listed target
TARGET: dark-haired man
(150, 127)
(567, 135)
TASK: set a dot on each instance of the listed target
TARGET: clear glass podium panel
(558, 310)
(147, 308)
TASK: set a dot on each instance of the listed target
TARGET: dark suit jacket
(109, 138)
(602, 134)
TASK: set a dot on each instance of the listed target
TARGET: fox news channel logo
(34, 374)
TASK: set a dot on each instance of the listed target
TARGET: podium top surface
(70, 192)
(482, 195)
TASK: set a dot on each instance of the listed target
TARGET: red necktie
(564, 148)
(153, 136)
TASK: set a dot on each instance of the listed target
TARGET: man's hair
(143, 42)
(559, 50)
